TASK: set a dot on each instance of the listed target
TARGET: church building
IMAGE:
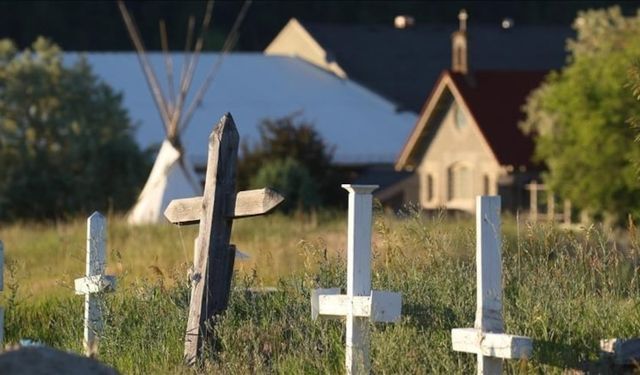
(467, 141)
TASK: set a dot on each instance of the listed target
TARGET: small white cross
(360, 303)
(95, 281)
(487, 339)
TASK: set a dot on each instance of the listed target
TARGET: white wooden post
(533, 201)
(360, 303)
(94, 282)
(487, 339)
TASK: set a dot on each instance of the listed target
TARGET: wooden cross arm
(248, 203)
(498, 345)
(379, 306)
(95, 284)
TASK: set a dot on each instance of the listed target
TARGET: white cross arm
(379, 306)
(498, 345)
(95, 284)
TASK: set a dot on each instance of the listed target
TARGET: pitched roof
(363, 126)
(495, 100)
(403, 64)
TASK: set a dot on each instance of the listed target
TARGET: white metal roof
(363, 126)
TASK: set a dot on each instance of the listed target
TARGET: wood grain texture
(497, 345)
(360, 304)
(487, 339)
(188, 211)
(95, 266)
(95, 284)
(358, 275)
(488, 276)
(214, 263)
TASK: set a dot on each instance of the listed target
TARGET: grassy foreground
(566, 290)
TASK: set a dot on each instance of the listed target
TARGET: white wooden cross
(487, 339)
(360, 303)
(95, 282)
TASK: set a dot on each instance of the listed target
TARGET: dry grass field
(565, 289)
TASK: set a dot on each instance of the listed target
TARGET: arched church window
(459, 182)
(429, 187)
(459, 117)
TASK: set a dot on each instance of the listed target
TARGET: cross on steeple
(459, 53)
(462, 17)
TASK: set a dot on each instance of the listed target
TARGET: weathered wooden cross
(360, 303)
(488, 339)
(95, 282)
(215, 211)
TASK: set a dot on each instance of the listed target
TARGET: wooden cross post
(215, 211)
(360, 303)
(95, 282)
(487, 339)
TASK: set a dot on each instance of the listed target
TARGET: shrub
(290, 178)
(66, 142)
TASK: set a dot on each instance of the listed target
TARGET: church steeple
(459, 53)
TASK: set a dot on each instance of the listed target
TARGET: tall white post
(488, 276)
(358, 274)
(487, 339)
(360, 303)
(94, 282)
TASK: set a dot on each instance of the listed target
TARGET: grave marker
(95, 282)
(360, 304)
(214, 212)
(487, 339)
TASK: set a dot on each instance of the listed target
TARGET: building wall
(457, 145)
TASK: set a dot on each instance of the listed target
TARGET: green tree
(580, 117)
(282, 139)
(291, 179)
(66, 142)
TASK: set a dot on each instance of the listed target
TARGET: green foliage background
(66, 143)
(291, 156)
(291, 179)
(580, 117)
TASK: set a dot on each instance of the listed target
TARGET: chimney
(459, 55)
(403, 21)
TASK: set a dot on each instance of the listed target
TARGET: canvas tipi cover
(172, 177)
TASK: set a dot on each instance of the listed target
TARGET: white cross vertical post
(358, 274)
(487, 339)
(94, 282)
(360, 303)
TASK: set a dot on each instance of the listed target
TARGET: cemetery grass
(565, 289)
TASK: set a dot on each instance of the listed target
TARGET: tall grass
(565, 289)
